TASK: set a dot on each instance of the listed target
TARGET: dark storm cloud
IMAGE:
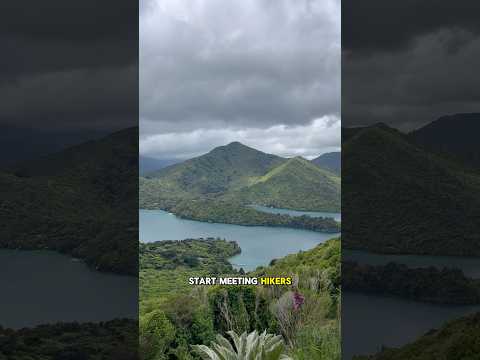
(68, 64)
(227, 69)
(408, 63)
(375, 25)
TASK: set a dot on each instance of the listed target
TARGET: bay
(43, 286)
(370, 322)
(259, 244)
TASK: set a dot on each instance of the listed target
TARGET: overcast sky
(69, 71)
(262, 72)
(406, 63)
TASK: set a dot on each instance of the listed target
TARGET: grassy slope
(457, 340)
(85, 208)
(295, 184)
(241, 174)
(398, 198)
(222, 169)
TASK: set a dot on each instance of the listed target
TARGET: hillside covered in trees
(401, 198)
(81, 201)
(175, 315)
(238, 173)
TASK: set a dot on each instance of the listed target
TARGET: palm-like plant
(253, 346)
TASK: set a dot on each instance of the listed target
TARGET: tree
(156, 333)
(247, 346)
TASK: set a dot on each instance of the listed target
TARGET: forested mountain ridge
(81, 201)
(330, 161)
(400, 198)
(238, 173)
(295, 184)
(454, 136)
(222, 169)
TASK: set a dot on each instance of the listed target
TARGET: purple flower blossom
(298, 300)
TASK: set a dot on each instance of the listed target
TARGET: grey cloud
(434, 75)
(248, 63)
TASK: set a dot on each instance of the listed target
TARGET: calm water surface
(469, 266)
(259, 244)
(368, 322)
(393, 321)
(336, 216)
(45, 287)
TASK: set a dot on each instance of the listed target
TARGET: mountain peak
(234, 145)
(298, 159)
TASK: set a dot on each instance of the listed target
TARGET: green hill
(81, 201)
(221, 170)
(399, 198)
(295, 184)
(241, 174)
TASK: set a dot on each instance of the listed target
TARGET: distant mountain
(80, 201)
(237, 172)
(118, 145)
(455, 136)
(399, 198)
(331, 161)
(223, 169)
(148, 164)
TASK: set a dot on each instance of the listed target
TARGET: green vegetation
(330, 161)
(116, 339)
(242, 175)
(447, 286)
(235, 213)
(399, 198)
(305, 314)
(80, 202)
(457, 340)
(295, 184)
(247, 346)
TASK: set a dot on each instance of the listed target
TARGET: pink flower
(298, 300)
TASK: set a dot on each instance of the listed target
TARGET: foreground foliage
(246, 346)
(305, 314)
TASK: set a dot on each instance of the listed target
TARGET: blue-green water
(45, 287)
(394, 321)
(370, 322)
(469, 265)
(259, 244)
(336, 216)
